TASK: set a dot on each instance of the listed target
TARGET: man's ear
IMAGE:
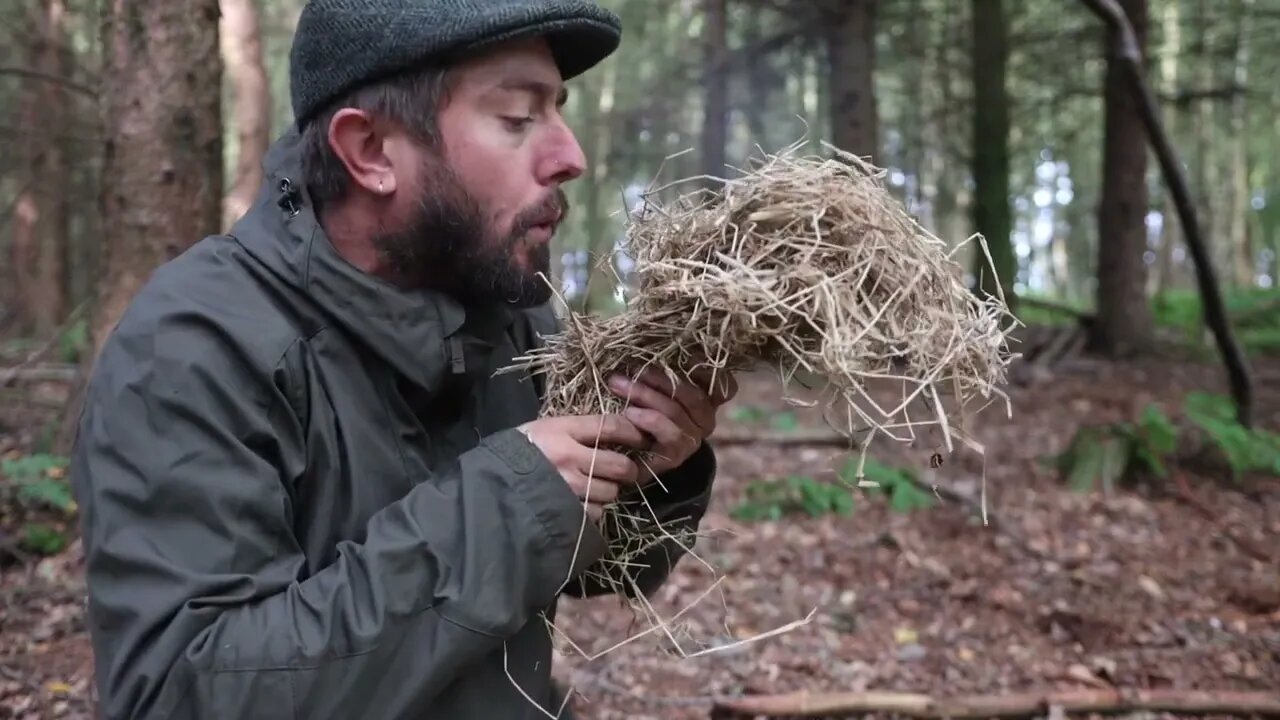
(362, 148)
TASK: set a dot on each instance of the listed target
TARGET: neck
(351, 228)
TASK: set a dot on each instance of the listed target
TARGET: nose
(564, 159)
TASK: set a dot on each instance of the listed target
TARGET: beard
(448, 245)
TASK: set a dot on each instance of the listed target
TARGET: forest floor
(1136, 588)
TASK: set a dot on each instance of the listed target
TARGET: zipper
(457, 359)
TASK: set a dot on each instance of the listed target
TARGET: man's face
(488, 200)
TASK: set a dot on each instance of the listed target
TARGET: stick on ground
(1016, 705)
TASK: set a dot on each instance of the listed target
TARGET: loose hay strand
(802, 262)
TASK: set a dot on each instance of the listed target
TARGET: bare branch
(67, 83)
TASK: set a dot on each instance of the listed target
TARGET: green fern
(1246, 450)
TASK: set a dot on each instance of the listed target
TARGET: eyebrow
(537, 87)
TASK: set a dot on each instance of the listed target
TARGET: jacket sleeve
(199, 605)
(678, 504)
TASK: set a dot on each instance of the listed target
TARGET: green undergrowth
(775, 499)
(36, 503)
(1254, 313)
(1105, 456)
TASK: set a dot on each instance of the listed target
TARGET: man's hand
(677, 417)
(574, 444)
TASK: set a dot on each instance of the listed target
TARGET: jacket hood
(404, 327)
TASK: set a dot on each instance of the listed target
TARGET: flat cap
(342, 44)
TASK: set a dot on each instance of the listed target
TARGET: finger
(593, 490)
(595, 512)
(720, 385)
(595, 430)
(606, 464)
(641, 394)
(691, 396)
(673, 440)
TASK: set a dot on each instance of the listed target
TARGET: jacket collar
(406, 328)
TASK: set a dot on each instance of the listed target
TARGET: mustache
(552, 209)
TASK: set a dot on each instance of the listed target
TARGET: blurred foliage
(1104, 456)
(802, 494)
(35, 488)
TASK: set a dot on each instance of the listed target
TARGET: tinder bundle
(808, 265)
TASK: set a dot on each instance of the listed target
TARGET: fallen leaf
(57, 687)
(1082, 674)
(1151, 587)
(905, 636)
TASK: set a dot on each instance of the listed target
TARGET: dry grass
(807, 264)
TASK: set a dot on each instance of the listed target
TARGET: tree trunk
(163, 134)
(40, 211)
(992, 215)
(600, 273)
(913, 116)
(52, 172)
(242, 52)
(851, 53)
(1123, 325)
(1169, 234)
(23, 249)
(759, 81)
(715, 116)
(1238, 209)
(1205, 164)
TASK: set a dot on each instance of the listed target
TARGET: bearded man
(305, 493)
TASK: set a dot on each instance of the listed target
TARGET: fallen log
(1014, 705)
(1081, 316)
(37, 373)
(801, 436)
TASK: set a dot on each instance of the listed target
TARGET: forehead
(523, 59)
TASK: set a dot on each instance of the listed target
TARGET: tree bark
(992, 214)
(1170, 68)
(715, 116)
(851, 54)
(600, 272)
(40, 211)
(163, 154)
(1124, 317)
(23, 253)
(241, 43)
(52, 171)
(760, 81)
(1125, 48)
(1238, 209)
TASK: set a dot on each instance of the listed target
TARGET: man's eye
(518, 123)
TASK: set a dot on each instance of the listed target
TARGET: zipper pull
(458, 363)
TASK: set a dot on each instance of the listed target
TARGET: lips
(543, 225)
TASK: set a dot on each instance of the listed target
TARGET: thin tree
(992, 214)
(251, 92)
(715, 117)
(1123, 323)
(851, 57)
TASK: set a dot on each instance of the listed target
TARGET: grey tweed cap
(342, 44)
